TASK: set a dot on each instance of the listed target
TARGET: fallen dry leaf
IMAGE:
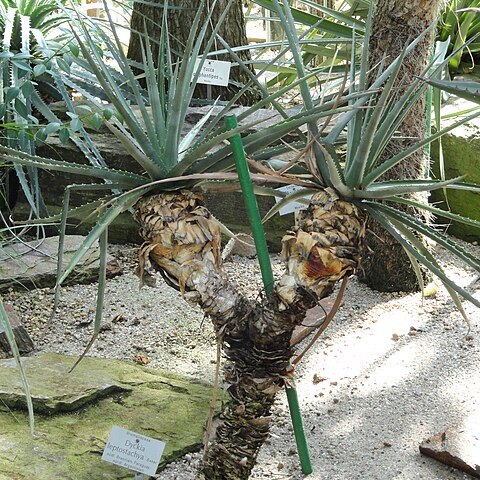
(141, 359)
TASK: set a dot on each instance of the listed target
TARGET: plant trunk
(182, 242)
(395, 23)
(148, 17)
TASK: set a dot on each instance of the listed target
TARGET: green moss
(462, 157)
(69, 445)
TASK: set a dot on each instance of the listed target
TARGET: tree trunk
(386, 266)
(182, 242)
(148, 17)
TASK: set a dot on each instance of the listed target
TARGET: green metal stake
(267, 276)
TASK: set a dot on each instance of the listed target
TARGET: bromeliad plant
(31, 63)
(460, 22)
(324, 247)
(327, 36)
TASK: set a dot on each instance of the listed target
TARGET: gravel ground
(389, 372)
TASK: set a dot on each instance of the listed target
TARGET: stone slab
(22, 338)
(456, 447)
(229, 208)
(34, 264)
(68, 445)
(313, 320)
(53, 389)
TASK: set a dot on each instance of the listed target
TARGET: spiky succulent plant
(319, 250)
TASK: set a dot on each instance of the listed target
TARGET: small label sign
(214, 72)
(291, 206)
(134, 451)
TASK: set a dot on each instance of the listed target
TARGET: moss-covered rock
(461, 152)
(68, 445)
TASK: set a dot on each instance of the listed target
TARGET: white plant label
(292, 206)
(134, 451)
(214, 72)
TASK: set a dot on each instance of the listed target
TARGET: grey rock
(22, 338)
(34, 264)
(68, 446)
(241, 244)
(53, 388)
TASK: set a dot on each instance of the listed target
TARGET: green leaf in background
(64, 135)
(27, 88)
(52, 128)
(68, 58)
(326, 25)
(97, 121)
(22, 65)
(84, 109)
(76, 124)
(39, 69)
(21, 108)
(74, 50)
(63, 65)
(107, 114)
(40, 136)
(11, 93)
